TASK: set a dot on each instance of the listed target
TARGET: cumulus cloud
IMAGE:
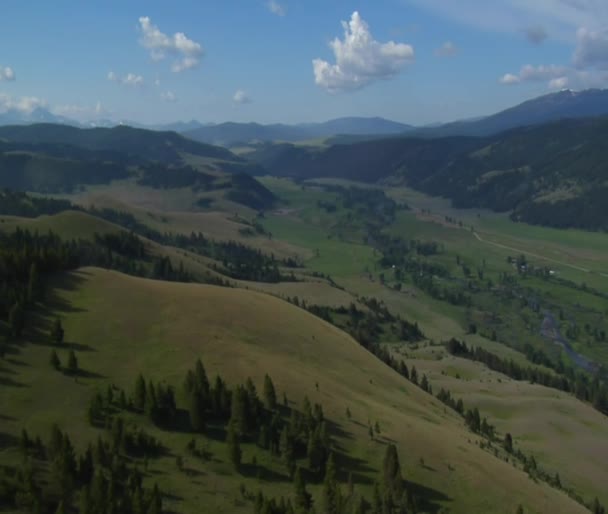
(360, 59)
(276, 8)
(531, 73)
(536, 34)
(168, 96)
(448, 49)
(186, 52)
(130, 79)
(591, 49)
(241, 97)
(24, 104)
(509, 79)
(7, 74)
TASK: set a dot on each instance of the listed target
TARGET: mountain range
(551, 107)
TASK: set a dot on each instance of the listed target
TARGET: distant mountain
(547, 108)
(231, 134)
(552, 174)
(167, 147)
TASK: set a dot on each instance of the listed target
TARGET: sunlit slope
(135, 325)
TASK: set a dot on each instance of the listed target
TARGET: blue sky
(416, 61)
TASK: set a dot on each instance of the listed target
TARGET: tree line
(593, 391)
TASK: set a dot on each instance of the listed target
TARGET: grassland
(566, 435)
(238, 333)
(241, 333)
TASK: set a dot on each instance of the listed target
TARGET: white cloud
(187, 53)
(168, 96)
(25, 104)
(535, 34)
(558, 83)
(448, 49)
(7, 74)
(360, 59)
(130, 79)
(157, 82)
(276, 8)
(531, 73)
(509, 79)
(241, 97)
(591, 49)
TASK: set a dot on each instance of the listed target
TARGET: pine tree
(508, 444)
(196, 411)
(72, 367)
(57, 332)
(287, 451)
(414, 375)
(391, 472)
(54, 360)
(238, 410)
(234, 446)
(270, 395)
(33, 287)
(331, 498)
(303, 499)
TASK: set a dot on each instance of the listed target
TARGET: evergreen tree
(391, 472)
(234, 446)
(238, 410)
(33, 287)
(414, 375)
(331, 499)
(270, 395)
(72, 367)
(287, 451)
(520, 509)
(57, 332)
(54, 360)
(197, 412)
(303, 499)
(508, 443)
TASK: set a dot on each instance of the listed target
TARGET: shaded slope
(242, 333)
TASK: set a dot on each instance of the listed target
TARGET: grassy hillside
(238, 334)
(550, 174)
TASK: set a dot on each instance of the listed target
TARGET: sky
(291, 61)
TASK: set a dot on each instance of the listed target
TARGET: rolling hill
(230, 134)
(142, 144)
(552, 174)
(238, 334)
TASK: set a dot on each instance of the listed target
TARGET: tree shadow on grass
(9, 382)
(359, 468)
(427, 498)
(262, 473)
(7, 440)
